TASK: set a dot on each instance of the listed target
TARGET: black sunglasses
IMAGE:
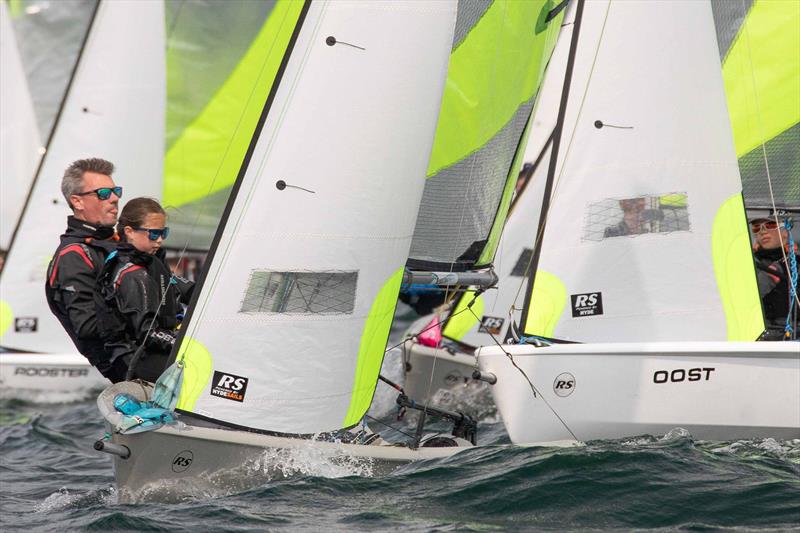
(103, 193)
(154, 234)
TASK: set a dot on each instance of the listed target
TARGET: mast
(551, 171)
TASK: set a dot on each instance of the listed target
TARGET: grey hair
(72, 183)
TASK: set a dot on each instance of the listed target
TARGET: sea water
(51, 479)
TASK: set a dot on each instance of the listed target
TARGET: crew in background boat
(93, 197)
(138, 297)
(773, 270)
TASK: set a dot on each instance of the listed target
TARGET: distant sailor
(140, 297)
(93, 197)
(773, 268)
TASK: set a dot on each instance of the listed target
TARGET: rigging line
(759, 117)
(536, 393)
(390, 426)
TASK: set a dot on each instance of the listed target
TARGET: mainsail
(19, 135)
(498, 58)
(113, 108)
(645, 190)
(759, 44)
(289, 325)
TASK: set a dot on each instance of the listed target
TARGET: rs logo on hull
(564, 384)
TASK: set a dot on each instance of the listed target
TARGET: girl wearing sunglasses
(773, 268)
(139, 298)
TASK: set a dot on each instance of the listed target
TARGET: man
(773, 268)
(633, 219)
(93, 197)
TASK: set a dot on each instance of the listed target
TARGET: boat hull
(715, 390)
(186, 459)
(23, 374)
(444, 379)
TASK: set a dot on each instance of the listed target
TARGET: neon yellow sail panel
(475, 108)
(548, 300)
(735, 273)
(762, 74)
(493, 76)
(208, 155)
(462, 320)
(197, 363)
(371, 349)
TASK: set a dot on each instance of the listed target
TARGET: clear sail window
(315, 293)
(626, 217)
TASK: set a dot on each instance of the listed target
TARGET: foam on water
(64, 499)
(314, 461)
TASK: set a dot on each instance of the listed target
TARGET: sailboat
(651, 328)
(283, 342)
(755, 76)
(114, 107)
(19, 134)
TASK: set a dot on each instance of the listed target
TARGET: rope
(389, 426)
(536, 393)
(790, 314)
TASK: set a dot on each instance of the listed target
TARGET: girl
(139, 297)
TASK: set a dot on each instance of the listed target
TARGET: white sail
(114, 109)
(651, 136)
(290, 324)
(19, 136)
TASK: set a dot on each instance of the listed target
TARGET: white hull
(715, 390)
(181, 459)
(443, 379)
(24, 374)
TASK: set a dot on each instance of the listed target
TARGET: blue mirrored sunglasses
(154, 234)
(103, 193)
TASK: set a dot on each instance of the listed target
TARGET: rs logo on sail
(228, 386)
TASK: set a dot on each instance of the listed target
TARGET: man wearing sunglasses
(93, 197)
(772, 260)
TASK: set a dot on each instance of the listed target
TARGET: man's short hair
(72, 183)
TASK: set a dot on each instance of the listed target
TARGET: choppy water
(52, 480)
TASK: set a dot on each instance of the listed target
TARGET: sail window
(314, 293)
(625, 217)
